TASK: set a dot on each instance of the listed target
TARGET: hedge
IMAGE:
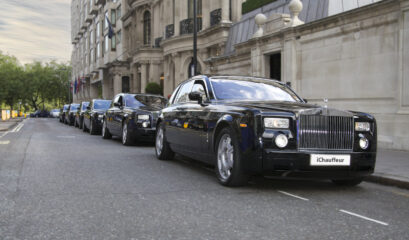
(251, 5)
(153, 88)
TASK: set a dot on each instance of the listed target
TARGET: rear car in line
(70, 115)
(79, 115)
(93, 116)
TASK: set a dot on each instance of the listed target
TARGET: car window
(102, 104)
(199, 87)
(183, 95)
(116, 99)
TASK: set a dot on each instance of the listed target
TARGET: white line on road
(4, 134)
(66, 136)
(4, 142)
(363, 217)
(18, 128)
(292, 195)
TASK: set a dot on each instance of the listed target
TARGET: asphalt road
(57, 182)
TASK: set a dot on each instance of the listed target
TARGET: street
(57, 182)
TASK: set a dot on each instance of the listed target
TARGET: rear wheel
(162, 148)
(348, 182)
(92, 128)
(126, 136)
(105, 131)
(84, 128)
(75, 123)
(228, 160)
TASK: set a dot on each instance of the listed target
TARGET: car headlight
(362, 126)
(276, 122)
(364, 143)
(143, 117)
(281, 141)
(100, 116)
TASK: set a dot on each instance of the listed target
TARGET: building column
(144, 77)
(93, 91)
(154, 72)
(117, 83)
(106, 85)
(225, 11)
(205, 14)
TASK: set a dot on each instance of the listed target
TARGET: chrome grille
(318, 132)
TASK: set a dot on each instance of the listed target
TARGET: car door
(117, 115)
(176, 117)
(110, 115)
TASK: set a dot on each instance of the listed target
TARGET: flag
(110, 30)
(78, 85)
(75, 86)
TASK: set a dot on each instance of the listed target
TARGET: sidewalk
(392, 168)
(9, 124)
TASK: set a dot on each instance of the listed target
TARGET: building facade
(352, 52)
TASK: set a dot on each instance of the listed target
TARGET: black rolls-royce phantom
(94, 114)
(133, 117)
(246, 126)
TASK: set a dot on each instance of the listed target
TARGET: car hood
(292, 107)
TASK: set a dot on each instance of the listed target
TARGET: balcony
(215, 17)
(186, 26)
(88, 19)
(170, 30)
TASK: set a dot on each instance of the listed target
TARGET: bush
(251, 5)
(153, 88)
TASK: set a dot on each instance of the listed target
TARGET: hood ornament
(325, 102)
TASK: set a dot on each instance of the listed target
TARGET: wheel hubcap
(124, 133)
(159, 141)
(103, 129)
(225, 157)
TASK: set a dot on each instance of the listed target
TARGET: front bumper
(142, 134)
(297, 164)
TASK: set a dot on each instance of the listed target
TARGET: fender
(226, 119)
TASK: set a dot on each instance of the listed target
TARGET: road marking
(66, 136)
(363, 217)
(4, 134)
(18, 128)
(292, 195)
(4, 142)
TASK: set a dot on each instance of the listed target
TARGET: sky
(36, 30)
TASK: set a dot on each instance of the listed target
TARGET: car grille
(318, 132)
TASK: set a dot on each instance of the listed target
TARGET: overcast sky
(36, 29)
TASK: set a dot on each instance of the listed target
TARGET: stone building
(352, 52)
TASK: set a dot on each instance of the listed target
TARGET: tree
(153, 88)
(11, 73)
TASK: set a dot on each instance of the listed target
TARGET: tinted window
(65, 107)
(102, 104)
(183, 95)
(135, 101)
(256, 90)
(85, 105)
(74, 107)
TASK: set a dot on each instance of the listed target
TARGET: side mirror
(88, 107)
(117, 104)
(196, 96)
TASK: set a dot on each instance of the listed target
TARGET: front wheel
(348, 182)
(162, 148)
(84, 128)
(105, 131)
(92, 128)
(126, 136)
(228, 160)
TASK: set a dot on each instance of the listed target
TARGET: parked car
(245, 126)
(133, 117)
(63, 112)
(55, 113)
(94, 115)
(70, 115)
(79, 116)
(40, 113)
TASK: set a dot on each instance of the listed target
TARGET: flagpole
(194, 38)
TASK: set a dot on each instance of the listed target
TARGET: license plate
(330, 160)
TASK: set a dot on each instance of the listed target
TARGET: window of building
(92, 54)
(190, 8)
(113, 16)
(91, 38)
(98, 30)
(98, 50)
(125, 84)
(147, 28)
(118, 12)
(113, 43)
(174, 11)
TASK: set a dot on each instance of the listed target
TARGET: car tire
(162, 148)
(105, 132)
(80, 125)
(347, 182)
(92, 129)
(75, 123)
(84, 128)
(126, 136)
(228, 167)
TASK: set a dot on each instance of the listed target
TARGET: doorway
(275, 66)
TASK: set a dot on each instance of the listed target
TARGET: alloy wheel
(225, 157)
(159, 141)
(103, 128)
(124, 133)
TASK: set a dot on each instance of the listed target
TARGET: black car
(70, 114)
(40, 114)
(63, 112)
(94, 115)
(79, 115)
(246, 126)
(133, 117)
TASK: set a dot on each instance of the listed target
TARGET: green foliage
(33, 85)
(153, 88)
(250, 5)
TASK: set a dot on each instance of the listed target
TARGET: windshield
(74, 107)
(102, 104)
(253, 90)
(135, 101)
(85, 105)
(65, 108)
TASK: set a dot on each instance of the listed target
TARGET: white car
(55, 113)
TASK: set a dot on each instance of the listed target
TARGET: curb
(10, 127)
(388, 180)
